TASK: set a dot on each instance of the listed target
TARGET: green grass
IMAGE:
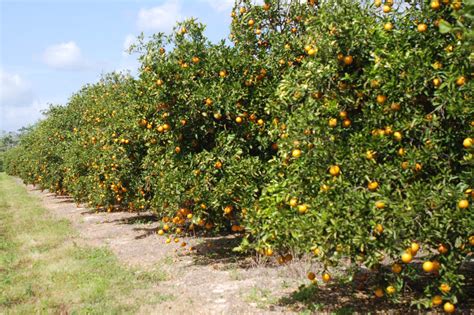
(42, 270)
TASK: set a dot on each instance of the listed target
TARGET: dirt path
(203, 281)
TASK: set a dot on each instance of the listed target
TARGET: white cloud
(14, 90)
(64, 56)
(13, 118)
(160, 18)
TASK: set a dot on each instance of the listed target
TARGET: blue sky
(49, 49)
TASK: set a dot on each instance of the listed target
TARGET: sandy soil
(204, 281)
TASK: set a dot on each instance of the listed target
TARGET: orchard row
(336, 128)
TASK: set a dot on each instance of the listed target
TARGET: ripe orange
(461, 81)
(463, 204)
(378, 292)
(395, 107)
(442, 249)
(239, 120)
(302, 209)
(388, 26)
(296, 153)
(379, 228)
(218, 165)
(414, 248)
(332, 122)
(293, 202)
(208, 102)
(348, 60)
(326, 277)
(428, 266)
(407, 257)
(346, 123)
(269, 252)
(449, 308)
(436, 300)
(370, 155)
(335, 170)
(457, 5)
(378, 3)
(228, 209)
(311, 276)
(325, 187)
(381, 99)
(343, 114)
(397, 136)
(379, 204)
(387, 9)
(435, 5)
(467, 143)
(436, 82)
(444, 287)
(373, 186)
(312, 51)
(390, 290)
(251, 22)
(471, 240)
(422, 27)
(161, 232)
(396, 268)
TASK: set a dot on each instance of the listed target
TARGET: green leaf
(444, 27)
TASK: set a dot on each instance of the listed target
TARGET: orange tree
(375, 152)
(103, 159)
(336, 127)
(204, 126)
(39, 158)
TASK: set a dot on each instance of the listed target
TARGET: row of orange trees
(339, 128)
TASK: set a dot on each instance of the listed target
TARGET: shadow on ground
(220, 250)
(358, 296)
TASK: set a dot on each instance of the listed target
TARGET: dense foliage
(333, 127)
